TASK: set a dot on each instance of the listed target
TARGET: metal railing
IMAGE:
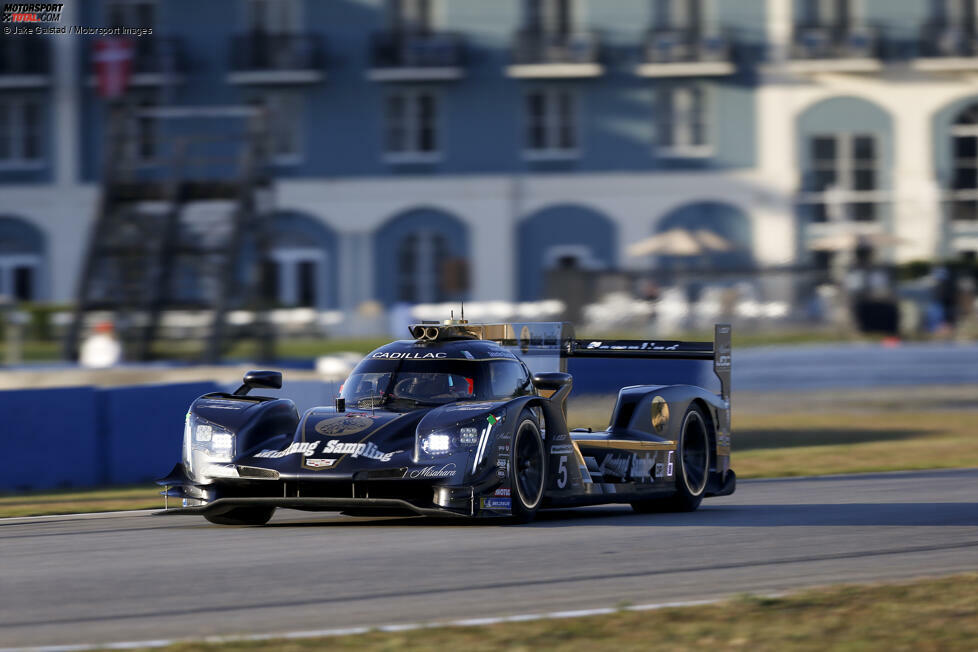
(685, 46)
(404, 49)
(261, 51)
(947, 41)
(834, 43)
(536, 47)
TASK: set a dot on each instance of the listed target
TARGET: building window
(682, 121)
(422, 258)
(20, 132)
(549, 16)
(844, 177)
(964, 179)
(131, 13)
(412, 127)
(680, 15)
(294, 276)
(18, 274)
(272, 16)
(959, 13)
(551, 123)
(283, 124)
(825, 13)
(415, 16)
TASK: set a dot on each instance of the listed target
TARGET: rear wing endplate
(718, 350)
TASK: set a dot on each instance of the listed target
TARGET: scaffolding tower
(151, 255)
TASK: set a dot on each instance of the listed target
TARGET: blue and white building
(499, 138)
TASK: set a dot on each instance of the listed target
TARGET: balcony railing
(685, 52)
(685, 46)
(534, 47)
(25, 57)
(260, 56)
(421, 55)
(946, 48)
(571, 54)
(834, 43)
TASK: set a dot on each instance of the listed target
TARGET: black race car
(464, 420)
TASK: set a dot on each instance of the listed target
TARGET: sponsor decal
(566, 449)
(500, 473)
(341, 426)
(223, 405)
(319, 462)
(408, 355)
(355, 449)
(468, 355)
(496, 503)
(502, 463)
(446, 471)
(642, 466)
(502, 492)
(304, 447)
(563, 436)
(660, 470)
(616, 465)
(492, 420)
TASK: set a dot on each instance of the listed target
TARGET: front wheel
(693, 469)
(242, 516)
(528, 469)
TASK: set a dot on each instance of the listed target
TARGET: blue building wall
(481, 115)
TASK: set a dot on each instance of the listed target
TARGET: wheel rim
(528, 465)
(695, 454)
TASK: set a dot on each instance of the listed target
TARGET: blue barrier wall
(142, 428)
(49, 438)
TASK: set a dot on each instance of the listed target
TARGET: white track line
(131, 512)
(390, 627)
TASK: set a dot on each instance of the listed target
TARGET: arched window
(422, 262)
(564, 237)
(964, 177)
(21, 259)
(421, 256)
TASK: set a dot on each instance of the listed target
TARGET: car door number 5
(562, 472)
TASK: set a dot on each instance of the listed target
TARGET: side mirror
(551, 380)
(259, 378)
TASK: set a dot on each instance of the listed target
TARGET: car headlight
(466, 437)
(209, 448)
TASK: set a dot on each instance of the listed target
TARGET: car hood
(328, 442)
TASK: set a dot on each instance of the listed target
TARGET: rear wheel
(693, 470)
(242, 516)
(528, 469)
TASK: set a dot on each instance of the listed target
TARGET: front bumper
(318, 504)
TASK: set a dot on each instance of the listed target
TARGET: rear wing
(718, 350)
(546, 346)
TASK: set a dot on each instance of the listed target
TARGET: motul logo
(32, 12)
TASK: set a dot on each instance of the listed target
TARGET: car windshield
(407, 384)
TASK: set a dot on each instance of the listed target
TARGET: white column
(917, 215)
(778, 28)
(66, 101)
(493, 250)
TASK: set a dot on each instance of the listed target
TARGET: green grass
(930, 614)
(80, 501)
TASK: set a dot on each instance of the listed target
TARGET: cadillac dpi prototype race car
(464, 420)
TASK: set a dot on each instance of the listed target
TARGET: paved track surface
(139, 577)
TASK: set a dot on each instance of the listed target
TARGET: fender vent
(257, 472)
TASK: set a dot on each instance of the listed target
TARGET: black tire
(693, 467)
(527, 469)
(242, 516)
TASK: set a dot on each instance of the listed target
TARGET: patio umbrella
(680, 242)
